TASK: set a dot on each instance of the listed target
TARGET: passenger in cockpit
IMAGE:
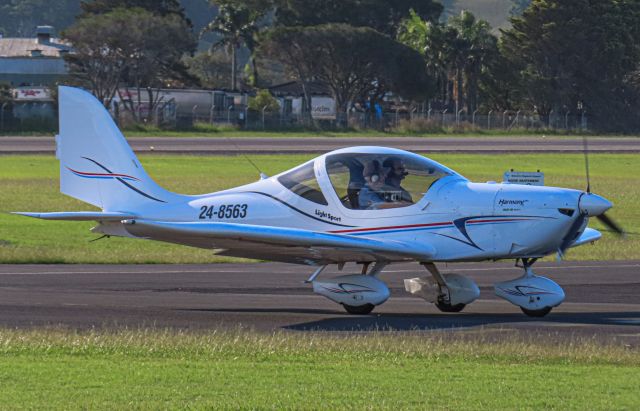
(371, 196)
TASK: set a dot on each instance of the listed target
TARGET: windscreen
(380, 181)
(303, 182)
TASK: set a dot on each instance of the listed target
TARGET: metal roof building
(35, 61)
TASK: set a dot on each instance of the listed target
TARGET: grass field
(53, 369)
(30, 183)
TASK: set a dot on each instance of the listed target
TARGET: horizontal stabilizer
(79, 216)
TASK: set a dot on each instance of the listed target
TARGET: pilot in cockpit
(397, 173)
(382, 187)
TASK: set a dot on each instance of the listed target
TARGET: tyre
(359, 309)
(536, 313)
(448, 308)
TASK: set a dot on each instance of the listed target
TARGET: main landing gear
(449, 292)
(358, 294)
(535, 295)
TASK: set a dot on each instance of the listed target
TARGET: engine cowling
(354, 290)
(531, 292)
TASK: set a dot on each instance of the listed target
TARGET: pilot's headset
(373, 171)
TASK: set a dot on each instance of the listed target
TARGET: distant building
(290, 96)
(35, 61)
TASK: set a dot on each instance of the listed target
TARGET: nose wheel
(449, 308)
(536, 313)
(359, 309)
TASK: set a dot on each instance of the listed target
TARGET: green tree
(577, 53)
(99, 58)
(264, 100)
(157, 7)
(384, 16)
(474, 46)
(518, 7)
(5, 94)
(210, 68)
(19, 18)
(132, 47)
(237, 25)
(455, 53)
(354, 62)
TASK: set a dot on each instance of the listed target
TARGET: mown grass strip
(29, 183)
(150, 369)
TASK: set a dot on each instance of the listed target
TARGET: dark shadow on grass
(414, 322)
(341, 321)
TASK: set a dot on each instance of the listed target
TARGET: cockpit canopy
(364, 181)
(378, 179)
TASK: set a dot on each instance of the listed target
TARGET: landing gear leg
(443, 301)
(528, 273)
(535, 295)
(357, 293)
(366, 308)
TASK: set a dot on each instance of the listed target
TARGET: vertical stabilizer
(97, 165)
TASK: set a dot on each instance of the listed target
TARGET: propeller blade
(612, 225)
(571, 235)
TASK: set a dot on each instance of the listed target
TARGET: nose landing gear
(535, 295)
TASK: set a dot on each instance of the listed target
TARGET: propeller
(602, 217)
(610, 224)
(589, 205)
(572, 234)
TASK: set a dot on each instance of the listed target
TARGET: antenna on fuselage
(585, 147)
(262, 175)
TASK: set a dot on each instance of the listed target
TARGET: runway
(603, 299)
(261, 145)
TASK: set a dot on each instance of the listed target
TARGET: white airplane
(372, 206)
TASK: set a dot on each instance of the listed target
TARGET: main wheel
(448, 308)
(358, 309)
(536, 313)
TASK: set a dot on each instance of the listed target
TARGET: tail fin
(97, 165)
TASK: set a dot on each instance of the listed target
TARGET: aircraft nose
(593, 204)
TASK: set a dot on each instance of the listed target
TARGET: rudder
(97, 165)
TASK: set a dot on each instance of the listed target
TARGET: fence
(431, 120)
(38, 117)
(27, 117)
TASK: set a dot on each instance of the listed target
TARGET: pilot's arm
(369, 199)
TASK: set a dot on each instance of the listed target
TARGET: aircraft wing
(279, 244)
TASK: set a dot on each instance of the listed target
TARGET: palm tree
(433, 40)
(473, 45)
(455, 53)
(237, 25)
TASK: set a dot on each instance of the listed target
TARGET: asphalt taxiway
(603, 299)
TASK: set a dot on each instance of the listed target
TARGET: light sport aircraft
(368, 205)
